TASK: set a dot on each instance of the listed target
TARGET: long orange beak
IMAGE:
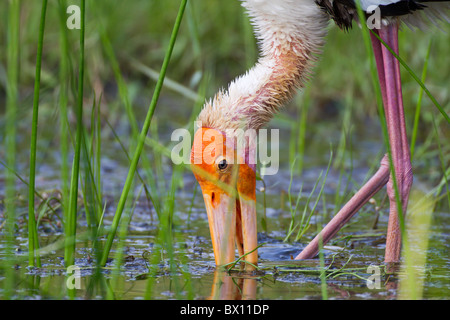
(222, 225)
(232, 222)
(228, 188)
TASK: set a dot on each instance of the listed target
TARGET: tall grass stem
(32, 232)
(69, 256)
(63, 103)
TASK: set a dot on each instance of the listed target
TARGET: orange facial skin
(231, 215)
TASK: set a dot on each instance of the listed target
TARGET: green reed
(33, 243)
(64, 78)
(71, 218)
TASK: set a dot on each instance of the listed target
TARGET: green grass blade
(32, 232)
(64, 78)
(69, 256)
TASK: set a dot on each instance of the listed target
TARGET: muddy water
(279, 278)
(193, 274)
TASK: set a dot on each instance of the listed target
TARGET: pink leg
(378, 181)
(390, 83)
(391, 89)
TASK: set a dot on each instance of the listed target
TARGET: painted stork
(291, 35)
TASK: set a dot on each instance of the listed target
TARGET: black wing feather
(343, 12)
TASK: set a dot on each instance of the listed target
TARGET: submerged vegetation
(86, 178)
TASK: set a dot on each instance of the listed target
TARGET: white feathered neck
(290, 35)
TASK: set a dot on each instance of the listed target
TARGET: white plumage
(288, 47)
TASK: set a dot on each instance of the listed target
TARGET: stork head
(227, 179)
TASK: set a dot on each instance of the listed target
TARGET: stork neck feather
(291, 35)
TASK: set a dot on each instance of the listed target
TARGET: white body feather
(291, 34)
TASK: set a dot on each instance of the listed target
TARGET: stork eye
(222, 165)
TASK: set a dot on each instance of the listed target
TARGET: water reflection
(233, 286)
